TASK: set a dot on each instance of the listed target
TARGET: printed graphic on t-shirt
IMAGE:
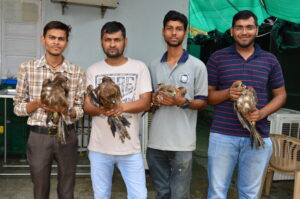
(126, 81)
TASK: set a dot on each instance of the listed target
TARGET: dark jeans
(171, 173)
(41, 151)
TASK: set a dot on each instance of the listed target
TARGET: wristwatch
(186, 104)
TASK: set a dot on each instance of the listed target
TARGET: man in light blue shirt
(172, 135)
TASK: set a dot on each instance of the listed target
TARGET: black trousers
(41, 151)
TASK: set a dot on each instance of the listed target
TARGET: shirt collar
(257, 49)
(182, 59)
(65, 67)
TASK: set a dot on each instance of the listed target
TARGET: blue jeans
(132, 170)
(224, 153)
(171, 173)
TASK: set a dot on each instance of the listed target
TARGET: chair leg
(269, 179)
(297, 185)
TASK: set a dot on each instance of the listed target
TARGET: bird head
(109, 93)
(238, 84)
(166, 90)
(106, 79)
(54, 93)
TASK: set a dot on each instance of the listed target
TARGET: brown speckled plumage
(166, 90)
(108, 95)
(245, 105)
(54, 95)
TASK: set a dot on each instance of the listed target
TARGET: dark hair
(113, 27)
(173, 15)
(57, 25)
(244, 14)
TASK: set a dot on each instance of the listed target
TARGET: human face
(113, 44)
(244, 32)
(174, 33)
(55, 42)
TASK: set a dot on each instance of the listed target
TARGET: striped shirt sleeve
(276, 79)
(212, 72)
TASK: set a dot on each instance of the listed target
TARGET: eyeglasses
(247, 28)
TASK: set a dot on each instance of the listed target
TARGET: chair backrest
(286, 153)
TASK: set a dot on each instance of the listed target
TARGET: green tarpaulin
(207, 15)
(288, 10)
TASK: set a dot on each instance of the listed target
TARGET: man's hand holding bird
(244, 101)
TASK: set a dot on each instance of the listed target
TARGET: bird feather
(244, 105)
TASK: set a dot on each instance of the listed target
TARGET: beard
(174, 44)
(245, 45)
(113, 55)
(118, 53)
(54, 54)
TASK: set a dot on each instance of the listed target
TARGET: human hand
(69, 112)
(234, 93)
(154, 100)
(174, 101)
(63, 110)
(47, 108)
(255, 116)
(114, 111)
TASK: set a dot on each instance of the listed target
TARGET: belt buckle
(52, 131)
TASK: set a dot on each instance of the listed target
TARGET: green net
(217, 14)
(208, 15)
(288, 10)
(286, 35)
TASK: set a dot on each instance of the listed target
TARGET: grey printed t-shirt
(173, 128)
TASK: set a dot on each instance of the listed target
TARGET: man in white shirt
(107, 150)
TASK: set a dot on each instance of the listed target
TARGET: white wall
(141, 18)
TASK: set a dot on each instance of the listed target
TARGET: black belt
(50, 130)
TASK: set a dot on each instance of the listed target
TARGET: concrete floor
(20, 187)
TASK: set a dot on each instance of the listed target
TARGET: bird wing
(92, 95)
(182, 90)
(242, 120)
(109, 94)
(253, 94)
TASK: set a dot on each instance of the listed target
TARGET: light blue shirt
(173, 128)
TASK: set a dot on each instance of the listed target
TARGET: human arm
(76, 111)
(217, 96)
(33, 106)
(278, 100)
(22, 106)
(180, 100)
(276, 84)
(90, 109)
(140, 105)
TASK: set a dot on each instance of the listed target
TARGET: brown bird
(166, 90)
(246, 104)
(54, 95)
(108, 95)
